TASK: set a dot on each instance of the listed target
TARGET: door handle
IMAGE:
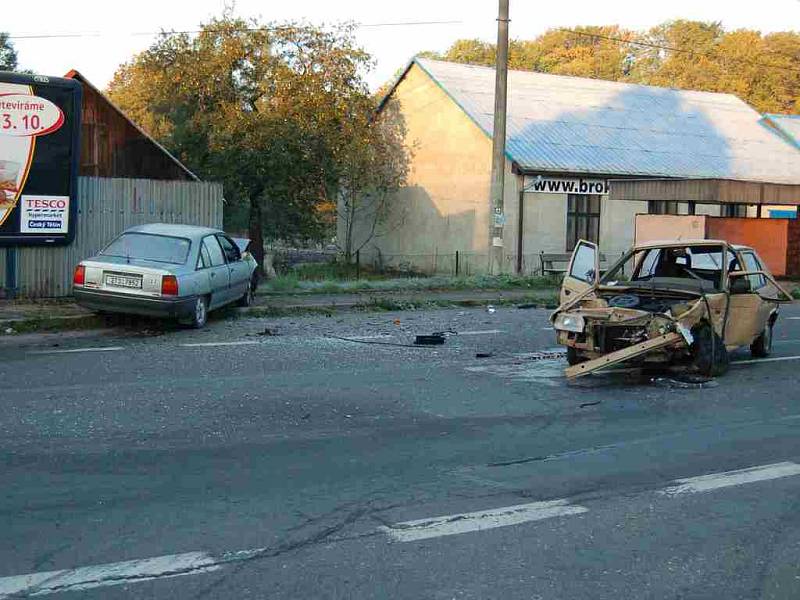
(213, 274)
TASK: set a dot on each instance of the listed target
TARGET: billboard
(40, 123)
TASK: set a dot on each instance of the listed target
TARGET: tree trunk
(256, 227)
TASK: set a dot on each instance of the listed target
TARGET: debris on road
(434, 339)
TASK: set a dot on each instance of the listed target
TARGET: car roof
(173, 229)
(684, 243)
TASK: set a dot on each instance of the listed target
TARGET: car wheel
(762, 346)
(200, 313)
(573, 358)
(247, 299)
(709, 355)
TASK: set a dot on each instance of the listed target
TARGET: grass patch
(51, 324)
(294, 283)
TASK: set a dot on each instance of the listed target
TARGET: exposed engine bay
(646, 301)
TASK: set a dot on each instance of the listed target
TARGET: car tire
(762, 346)
(709, 355)
(573, 358)
(247, 299)
(199, 315)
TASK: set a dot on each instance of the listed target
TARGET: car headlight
(569, 322)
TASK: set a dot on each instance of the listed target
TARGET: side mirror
(740, 285)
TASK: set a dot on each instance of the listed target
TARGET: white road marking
(480, 520)
(487, 332)
(129, 571)
(791, 318)
(215, 344)
(754, 361)
(380, 336)
(76, 350)
(714, 481)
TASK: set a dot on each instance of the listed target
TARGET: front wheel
(573, 358)
(762, 346)
(200, 313)
(709, 355)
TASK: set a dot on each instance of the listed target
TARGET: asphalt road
(227, 463)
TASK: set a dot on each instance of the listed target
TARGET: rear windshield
(145, 246)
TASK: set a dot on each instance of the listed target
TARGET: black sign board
(40, 125)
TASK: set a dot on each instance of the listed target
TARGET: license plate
(124, 281)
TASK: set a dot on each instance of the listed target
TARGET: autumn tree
(266, 109)
(8, 55)
(374, 164)
(763, 70)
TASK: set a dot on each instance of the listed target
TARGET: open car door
(583, 271)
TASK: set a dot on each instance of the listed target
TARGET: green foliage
(8, 55)
(318, 281)
(278, 112)
(761, 69)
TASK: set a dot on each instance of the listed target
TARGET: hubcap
(200, 310)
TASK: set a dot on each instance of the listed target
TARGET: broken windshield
(693, 267)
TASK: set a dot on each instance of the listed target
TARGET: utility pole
(497, 217)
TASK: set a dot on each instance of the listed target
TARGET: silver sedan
(164, 270)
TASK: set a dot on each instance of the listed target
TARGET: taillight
(79, 277)
(169, 285)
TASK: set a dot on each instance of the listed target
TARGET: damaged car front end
(677, 303)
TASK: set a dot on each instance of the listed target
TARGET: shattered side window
(583, 264)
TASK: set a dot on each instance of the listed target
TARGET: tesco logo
(47, 203)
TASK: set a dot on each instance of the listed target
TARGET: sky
(113, 35)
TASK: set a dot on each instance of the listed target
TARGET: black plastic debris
(484, 354)
(434, 339)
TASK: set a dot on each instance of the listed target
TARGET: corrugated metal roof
(786, 125)
(577, 125)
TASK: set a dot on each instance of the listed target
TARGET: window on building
(734, 210)
(662, 207)
(583, 219)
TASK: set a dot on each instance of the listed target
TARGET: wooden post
(358, 264)
(456, 263)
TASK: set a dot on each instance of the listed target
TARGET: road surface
(271, 458)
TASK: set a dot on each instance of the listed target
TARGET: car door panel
(582, 272)
(238, 270)
(217, 273)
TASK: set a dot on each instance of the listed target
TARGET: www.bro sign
(565, 185)
(39, 153)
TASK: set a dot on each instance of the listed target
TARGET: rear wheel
(762, 346)
(709, 355)
(200, 313)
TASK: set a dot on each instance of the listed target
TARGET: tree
(260, 108)
(374, 165)
(762, 70)
(8, 54)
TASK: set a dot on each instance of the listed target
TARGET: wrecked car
(662, 304)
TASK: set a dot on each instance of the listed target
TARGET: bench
(549, 261)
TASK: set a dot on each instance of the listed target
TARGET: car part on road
(434, 339)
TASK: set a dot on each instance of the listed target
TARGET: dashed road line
(194, 563)
(77, 350)
(411, 531)
(486, 332)
(216, 344)
(756, 361)
(715, 481)
(85, 578)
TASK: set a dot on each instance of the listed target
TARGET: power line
(97, 34)
(674, 49)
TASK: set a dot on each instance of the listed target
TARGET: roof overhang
(705, 191)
